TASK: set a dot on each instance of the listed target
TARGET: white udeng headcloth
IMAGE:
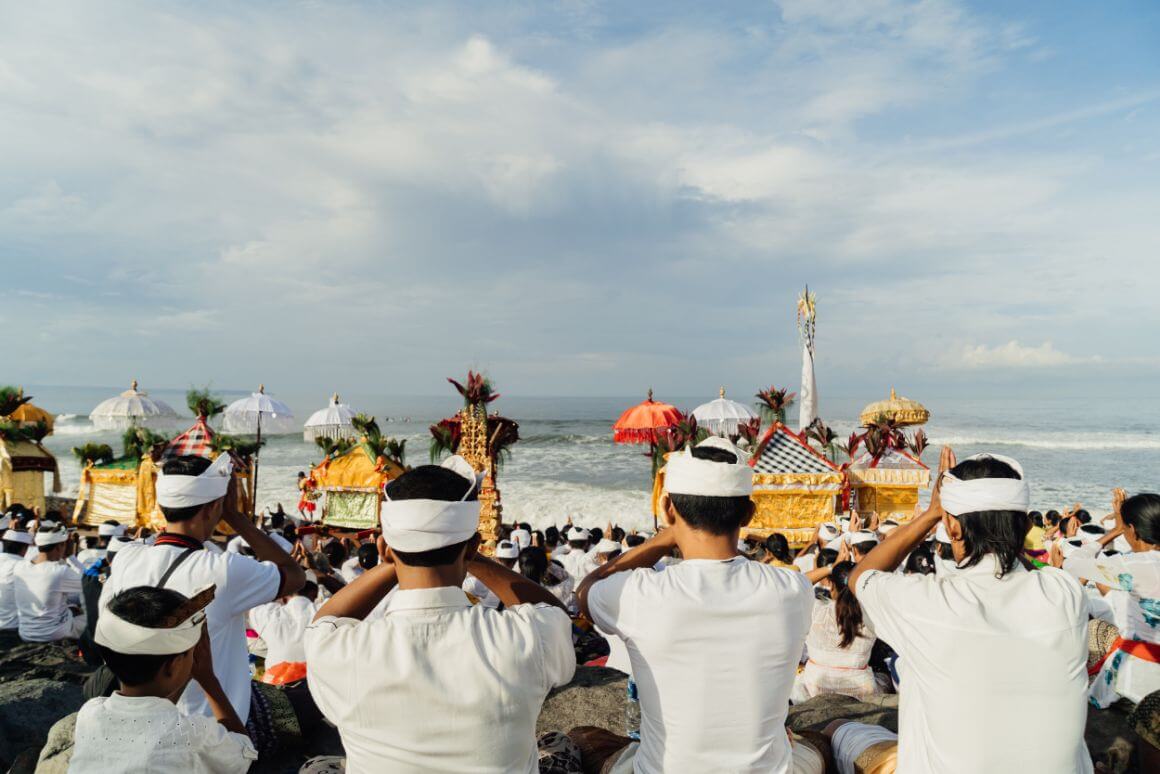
(687, 475)
(110, 530)
(176, 491)
(986, 494)
(120, 636)
(18, 536)
(50, 537)
(424, 525)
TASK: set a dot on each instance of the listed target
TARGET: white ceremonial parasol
(246, 415)
(259, 413)
(723, 416)
(333, 422)
(132, 408)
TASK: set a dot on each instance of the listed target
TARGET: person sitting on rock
(155, 642)
(282, 626)
(714, 641)
(47, 590)
(15, 545)
(988, 646)
(436, 683)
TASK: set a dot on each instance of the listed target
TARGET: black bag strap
(176, 563)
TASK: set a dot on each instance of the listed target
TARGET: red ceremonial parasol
(643, 422)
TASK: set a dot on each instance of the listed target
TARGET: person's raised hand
(384, 554)
(946, 461)
(203, 659)
(843, 552)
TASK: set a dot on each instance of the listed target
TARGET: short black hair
(552, 536)
(617, 534)
(525, 526)
(187, 465)
(595, 535)
(826, 557)
(309, 590)
(144, 606)
(921, 560)
(533, 563)
(368, 556)
(1083, 516)
(431, 482)
(14, 547)
(715, 515)
(1000, 532)
(336, 553)
(632, 541)
(277, 519)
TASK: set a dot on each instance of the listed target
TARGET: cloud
(1013, 355)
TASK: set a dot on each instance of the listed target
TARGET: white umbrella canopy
(723, 416)
(334, 421)
(258, 413)
(132, 408)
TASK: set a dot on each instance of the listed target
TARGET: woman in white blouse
(839, 641)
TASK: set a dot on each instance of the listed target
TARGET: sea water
(566, 464)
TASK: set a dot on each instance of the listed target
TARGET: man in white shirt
(990, 645)
(577, 561)
(105, 532)
(714, 641)
(282, 626)
(46, 590)
(15, 545)
(195, 495)
(437, 684)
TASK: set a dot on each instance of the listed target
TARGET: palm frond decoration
(826, 439)
(879, 437)
(141, 441)
(366, 425)
(12, 398)
(682, 435)
(396, 451)
(203, 403)
(476, 390)
(11, 430)
(774, 402)
(331, 446)
(918, 443)
(241, 446)
(93, 453)
(444, 439)
(502, 434)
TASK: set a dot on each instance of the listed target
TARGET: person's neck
(187, 529)
(451, 575)
(698, 544)
(146, 691)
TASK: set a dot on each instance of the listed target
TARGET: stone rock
(28, 709)
(595, 697)
(820, 711)
(57, 661)
(57, 751)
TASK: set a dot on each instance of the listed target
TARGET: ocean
(566, 463)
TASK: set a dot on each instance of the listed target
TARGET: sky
(582, 198)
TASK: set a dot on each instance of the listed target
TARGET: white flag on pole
(809, 392)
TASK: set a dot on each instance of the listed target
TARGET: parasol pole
(257, 453)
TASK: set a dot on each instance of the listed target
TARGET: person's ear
(750, 512)
(472, 549)
(954, 528)
(668, 511)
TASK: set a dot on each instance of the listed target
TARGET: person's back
(713, 647)
(986, 647)
(42, 590)
(9, 619)
(282, 626)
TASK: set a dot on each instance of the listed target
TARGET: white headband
(18, 536)
(117, 543)
(424, 525)
(1067, 547)
(941, 534)
(829, 531)
(1090, 533)
(606, 546)
(5, 522)
(687, 475)
(120, 636)
(862, 536)
(986, 494)
(507, 550)
(50, 538)
(110, 530)
(176, 491)
(521, 537)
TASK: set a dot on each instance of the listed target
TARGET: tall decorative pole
(473, 447)
(806, 325)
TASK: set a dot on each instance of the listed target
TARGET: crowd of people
(427, 655)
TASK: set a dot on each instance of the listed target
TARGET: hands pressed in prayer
(843, 552)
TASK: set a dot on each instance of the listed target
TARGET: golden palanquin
(352, 483)
(888, 485)
(22, 468)
(124, 491)
(794, 487)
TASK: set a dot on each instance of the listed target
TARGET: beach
(566, 463)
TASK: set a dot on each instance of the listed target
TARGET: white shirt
(242, 583)
(578, 564)
(979, 656)
(714, 647)
(282, 627)
(149, 734)
(90, 555)
(9, 619)
(42, 591)
(438, 683)
(351, 569)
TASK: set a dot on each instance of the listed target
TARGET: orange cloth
(285, 673)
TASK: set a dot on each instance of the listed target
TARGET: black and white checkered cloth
(783, 454)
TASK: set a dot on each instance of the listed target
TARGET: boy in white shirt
(46, 589)
(15, 545)
(714, 641)
(282, 626)
(987, 646)
(435, 683)
(154, 640)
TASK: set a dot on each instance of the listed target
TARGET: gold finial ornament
(903, 411)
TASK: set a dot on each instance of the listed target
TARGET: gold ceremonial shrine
(473, 447)
(887, 485)
(903, 411)
(22, 468)
(794, 487)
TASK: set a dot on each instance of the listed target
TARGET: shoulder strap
(176, 563)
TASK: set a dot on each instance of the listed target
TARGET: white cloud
(1013, 355)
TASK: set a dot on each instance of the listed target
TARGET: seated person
(860, 748)
(16, 543)
(436, 683)
(154, 641)
(282, 626)
(47, 590)
(713, 608)
(840, 641)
